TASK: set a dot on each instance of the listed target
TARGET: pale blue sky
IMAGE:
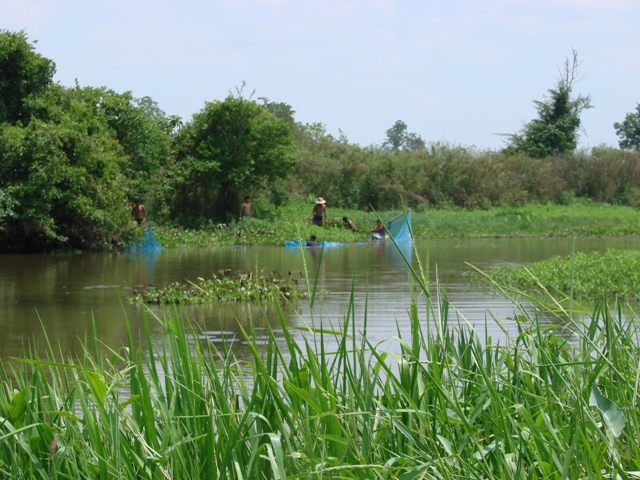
(459, 71)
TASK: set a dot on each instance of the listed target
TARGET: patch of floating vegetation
(225, 286)
(612, 274)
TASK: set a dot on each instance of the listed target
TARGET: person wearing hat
(319, 214)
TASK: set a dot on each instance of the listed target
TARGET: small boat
(399, 228)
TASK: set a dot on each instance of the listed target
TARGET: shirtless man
(246, 209)
(350, 225)
(379, 231)
(319, 214)
(139, 212)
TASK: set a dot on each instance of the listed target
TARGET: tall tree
(629, 130)
(23, 72)
(230, 147)
(555, 131)
(399, 138)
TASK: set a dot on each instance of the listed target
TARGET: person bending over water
(350, 225)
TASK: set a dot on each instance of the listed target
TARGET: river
(54, 299)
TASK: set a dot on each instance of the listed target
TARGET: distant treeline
(73, 160)
(443, 176)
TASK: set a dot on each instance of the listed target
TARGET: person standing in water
(319, 214)
(313, 242)
(139, 212)
(246, 209)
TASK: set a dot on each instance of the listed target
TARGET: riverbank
(273, 226)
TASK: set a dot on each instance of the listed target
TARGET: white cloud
(593, 6)
(29, 15)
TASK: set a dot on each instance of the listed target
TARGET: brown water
(61, 294)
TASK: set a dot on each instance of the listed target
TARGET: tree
(281, 110)
(629, 130)
(61, 182)
(22, 73)
(229, 148)
(71, 159)
(399, 138)
(556, 129)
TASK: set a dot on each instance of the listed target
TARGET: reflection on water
(63, 294)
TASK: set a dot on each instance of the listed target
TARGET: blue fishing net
(145, 243)
(296, 244)
(400, 227)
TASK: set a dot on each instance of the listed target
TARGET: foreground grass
(275, 226)
(447, 403)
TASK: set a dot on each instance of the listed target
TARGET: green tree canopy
(629, 130)
(71, 159)
(399, 138)
(555, 131)
(61, 184)
(230, 148)
(23, 72)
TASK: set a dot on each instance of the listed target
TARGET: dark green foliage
(61, 175)
(229, 148)
(555, 131)
(142, 130)
(629, 130)
(22, 73)
(144, 134)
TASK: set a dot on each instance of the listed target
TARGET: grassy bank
(274, 226)
(447, 403)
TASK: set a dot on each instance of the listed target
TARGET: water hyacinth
(615, 273)
(225, 286)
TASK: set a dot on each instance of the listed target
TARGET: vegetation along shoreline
(74, 159)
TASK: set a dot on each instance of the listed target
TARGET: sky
(456, 71)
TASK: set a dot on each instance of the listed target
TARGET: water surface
(62, 294)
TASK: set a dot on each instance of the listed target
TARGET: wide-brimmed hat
(321, 200)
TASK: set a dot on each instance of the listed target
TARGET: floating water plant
(225, 286)
(615, 273)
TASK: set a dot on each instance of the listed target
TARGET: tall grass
(447, 403)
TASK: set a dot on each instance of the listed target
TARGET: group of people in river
(318, 217)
